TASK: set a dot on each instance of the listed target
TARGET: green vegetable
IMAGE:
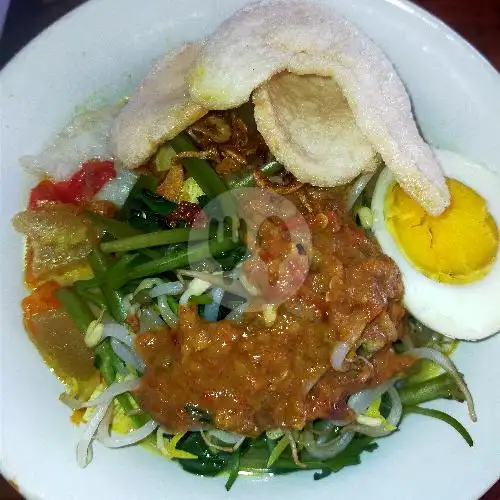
(248, 179)
(159, 238)
(280, 447)
(105, 361)
(143, 182)
(200, 170)
(94, 297)
(147, 220)
(112, 271)
(114, 300)
(423, 336)
(174, 305)
(445, 418)
(207, 179)
(118, 268)
(422, 370)
(231, 259)
(203, 299)
(234, 470)
(254, 458)
(144, 210)
(207, 463)
(75, 307)
(178, 259)
(82, 285)
(105, 358)
(114, 227)
(443, 386)
(119, 229)
(203, 200)
(157, 203)
(108, 363)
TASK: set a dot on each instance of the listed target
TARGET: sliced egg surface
(450, 263)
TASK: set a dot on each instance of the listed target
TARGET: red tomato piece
(90, 179)
(82, 186)
(46, 191)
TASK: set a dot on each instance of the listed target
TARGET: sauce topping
(251, 376)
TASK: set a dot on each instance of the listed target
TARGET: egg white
(469, 311)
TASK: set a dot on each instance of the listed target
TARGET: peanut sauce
(247, 377)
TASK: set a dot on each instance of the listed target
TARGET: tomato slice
(83, 185)
(90, 179)
(47, 191)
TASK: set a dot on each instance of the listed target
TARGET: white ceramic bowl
(99, 52)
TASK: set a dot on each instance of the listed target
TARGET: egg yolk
(458, 246)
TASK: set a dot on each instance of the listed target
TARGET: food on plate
(263, 274)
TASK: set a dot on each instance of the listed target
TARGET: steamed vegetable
(105, 359)
(448, 419)
(160, 238)
(201, 171)
(248, 179)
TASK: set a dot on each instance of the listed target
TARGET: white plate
(107, 46)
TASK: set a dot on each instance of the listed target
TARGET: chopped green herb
(234, 470)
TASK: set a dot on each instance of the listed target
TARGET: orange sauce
(250, 376)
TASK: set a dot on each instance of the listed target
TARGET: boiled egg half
(450, 263)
